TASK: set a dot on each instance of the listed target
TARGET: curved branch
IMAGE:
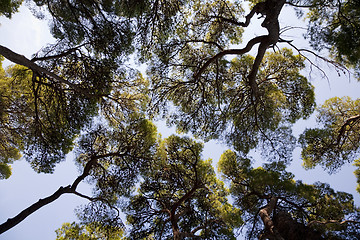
(242, 51)
(255, 68)
(271, 10)
(12, 222)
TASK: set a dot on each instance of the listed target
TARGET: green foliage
(39, 117)
(88, 96)
(112, 159)
(75, 231)
(91, 23)
(9, 144)
(220, 105)
(336, 140)
(178, 192)
(9, 7)
(336, 26)
(357, 174)
(129, 96)
(44, 114)
(309, 205)
(122, 151)
(180, 196)
(5, 170)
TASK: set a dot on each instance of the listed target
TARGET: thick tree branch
(242, 51)
(11, 222)
(22, 60)
(181, 200)
(255, 68)
(174, 217)
(265, 213)
(271, 10)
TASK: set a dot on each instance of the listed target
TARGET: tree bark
(271, 10)
(265, 215)
(177, 234)
(23, 61)
(290, 229)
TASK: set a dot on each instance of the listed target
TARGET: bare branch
(12, 222)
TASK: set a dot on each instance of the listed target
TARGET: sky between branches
(26, 35)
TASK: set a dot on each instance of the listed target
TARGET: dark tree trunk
(290, 229)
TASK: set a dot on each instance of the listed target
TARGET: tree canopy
(180, 196)
(288, 209)
(84, 93)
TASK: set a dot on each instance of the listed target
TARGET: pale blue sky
(26, 35)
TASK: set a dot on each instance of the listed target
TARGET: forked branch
(271, 10)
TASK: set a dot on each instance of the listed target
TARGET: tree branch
(11, 222)
(265, 213)
(63, 54)
(242, 51)
(332, 222)
(347, 123)
(305, 6)
(22, 60)
(271, 10)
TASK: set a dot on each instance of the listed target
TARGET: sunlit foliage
(181, 197)
(93, 231)
(292, 209)
(9, 7)
(337, 139)
(39, 118)
(82, 93)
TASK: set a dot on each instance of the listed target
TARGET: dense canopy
(84, 93)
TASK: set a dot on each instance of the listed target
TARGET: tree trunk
(266, 212)
(177, 234)
(270, 230)
(290, 229)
